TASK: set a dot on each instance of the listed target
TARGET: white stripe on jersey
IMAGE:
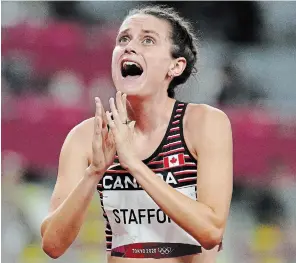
(175, 122)
(172, 151)
(172, 144)
(187, 179)
(185, 172)
(173, 136)
(175, 129)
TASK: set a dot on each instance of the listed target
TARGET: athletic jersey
(135, 225)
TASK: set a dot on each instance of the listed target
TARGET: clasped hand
(122, 129)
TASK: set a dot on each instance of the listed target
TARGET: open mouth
(130, 68)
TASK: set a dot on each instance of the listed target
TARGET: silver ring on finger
(127, 122)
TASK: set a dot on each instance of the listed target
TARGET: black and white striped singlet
(135, 226)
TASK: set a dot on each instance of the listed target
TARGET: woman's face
(145, 41)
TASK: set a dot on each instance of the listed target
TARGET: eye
(123, 39)
(148, 41)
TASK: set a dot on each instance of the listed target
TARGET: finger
(120, 107)
(98, 107)
(131, 125)
(98, 117)
(105, 127)
(115, 114)
(104, 118)
(110, 140)
(110, 121)
(124, 102)
(97, 137)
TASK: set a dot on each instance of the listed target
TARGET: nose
(130, 48)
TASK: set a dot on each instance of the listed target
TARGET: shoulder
(205, 122)
(204, 115)
(80, 137)
(82, 130)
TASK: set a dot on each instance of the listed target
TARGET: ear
(177, 67)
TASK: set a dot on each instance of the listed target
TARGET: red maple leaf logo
(173, 160)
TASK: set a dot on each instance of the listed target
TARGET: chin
(130, 86)
(131, 91)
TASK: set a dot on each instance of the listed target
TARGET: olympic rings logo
(165, 250)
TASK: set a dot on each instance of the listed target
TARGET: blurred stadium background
(56, 57)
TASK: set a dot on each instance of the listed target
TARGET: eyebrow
(151, 32)
(145, 31)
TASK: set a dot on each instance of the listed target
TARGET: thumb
(131, 125)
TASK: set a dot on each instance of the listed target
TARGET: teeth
(129, 63)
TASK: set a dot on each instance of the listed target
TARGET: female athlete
(163, 168)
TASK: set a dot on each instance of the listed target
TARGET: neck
(149, 112)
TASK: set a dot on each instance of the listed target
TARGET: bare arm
(73, 192)
(204, 219)
(75, 186)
